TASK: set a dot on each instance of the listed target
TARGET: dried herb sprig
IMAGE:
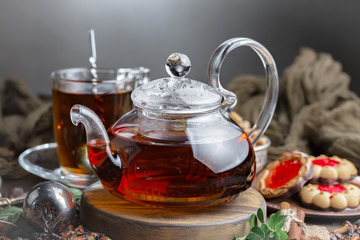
(11, 214)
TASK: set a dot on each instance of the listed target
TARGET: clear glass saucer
(42, 161)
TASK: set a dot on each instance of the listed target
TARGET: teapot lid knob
(178, 65)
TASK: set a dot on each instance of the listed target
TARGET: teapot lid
(176, 94)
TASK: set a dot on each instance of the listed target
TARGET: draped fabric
(316, 113)
(25, 121)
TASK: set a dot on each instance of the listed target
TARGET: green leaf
(77, 193)
(273, 220)
(256, 233)
(253, 236)
(260, 215)
(10, 214)
(265, 228)
(272, 235)
(280, 218)
(267, 237)
(253, 220)
(281, 235)
(278, 226)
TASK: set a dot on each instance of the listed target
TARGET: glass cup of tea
(105, 91)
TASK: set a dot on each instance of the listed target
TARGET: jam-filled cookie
(285, 176)
(332, 170)
(337, 197)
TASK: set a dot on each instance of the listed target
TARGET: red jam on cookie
(332, 188)
(285, 176)
(332, 170)
(281, 174)
(325, 162)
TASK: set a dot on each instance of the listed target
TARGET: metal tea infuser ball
(49, 206)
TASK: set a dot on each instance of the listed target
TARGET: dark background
(39, 36)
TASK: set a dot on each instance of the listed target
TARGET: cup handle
(229, 98)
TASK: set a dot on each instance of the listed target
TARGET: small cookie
(285, 176)
(246, 126)
(332, 170)
(325, 197)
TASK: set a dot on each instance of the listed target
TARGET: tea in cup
(108, 95)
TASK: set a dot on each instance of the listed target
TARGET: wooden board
(120, 219)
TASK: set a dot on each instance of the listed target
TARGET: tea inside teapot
(185, 169)
(177, 147)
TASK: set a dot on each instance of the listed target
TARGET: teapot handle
(229, 98)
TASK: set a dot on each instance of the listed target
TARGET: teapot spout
(95, 130)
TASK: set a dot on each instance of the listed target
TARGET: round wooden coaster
(119, 219)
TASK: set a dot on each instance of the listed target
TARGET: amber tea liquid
(70, 139)
(167, 173)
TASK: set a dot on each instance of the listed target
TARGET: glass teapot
(178, 146)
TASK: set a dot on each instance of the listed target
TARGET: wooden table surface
(30, 180)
